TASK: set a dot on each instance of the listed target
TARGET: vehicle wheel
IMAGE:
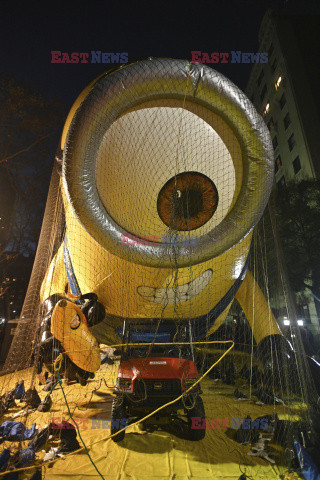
(117, 414)
(196, 434)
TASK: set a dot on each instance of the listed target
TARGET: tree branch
(25, 149)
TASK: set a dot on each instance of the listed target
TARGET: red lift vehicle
(150, 376)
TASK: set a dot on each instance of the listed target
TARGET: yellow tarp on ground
(152, 456)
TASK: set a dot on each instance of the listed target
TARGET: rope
(65, 399)
(176, 399)
(145, 344)
(253, 311)
(58, 363)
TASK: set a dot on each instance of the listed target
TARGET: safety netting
(149, 343)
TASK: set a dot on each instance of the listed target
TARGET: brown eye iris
(187, 201)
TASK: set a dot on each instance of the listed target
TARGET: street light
(286, 321)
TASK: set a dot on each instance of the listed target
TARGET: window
(281, 183)
(274, 65)
(277, 84)
(275, 142)
(278, 163)
(263, 92)
(270, 124)
(291, 142)
(286, 121)
(260, 78)
(296, 165)
(282, 101)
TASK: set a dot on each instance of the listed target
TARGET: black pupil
(187, 203)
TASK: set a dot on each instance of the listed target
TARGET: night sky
(29, 32)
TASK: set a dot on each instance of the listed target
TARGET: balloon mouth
(177, 294)
(187, 201)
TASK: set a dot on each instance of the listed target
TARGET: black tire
(117, 413)
(196, 434)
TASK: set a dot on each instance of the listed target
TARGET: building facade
(285, 91)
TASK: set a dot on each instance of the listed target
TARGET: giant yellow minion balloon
(166, 169)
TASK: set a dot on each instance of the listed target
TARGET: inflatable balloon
(166, 169)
